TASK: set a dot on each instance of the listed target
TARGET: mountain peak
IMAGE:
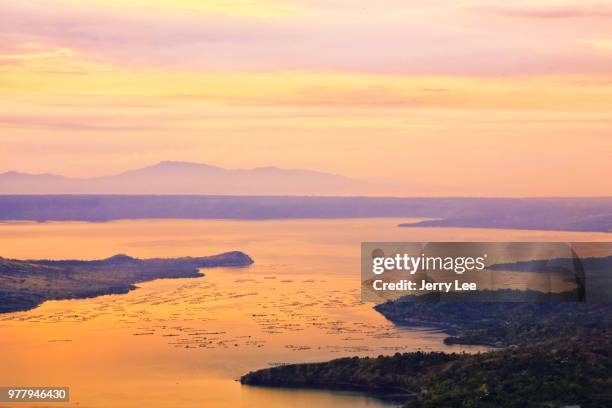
(171, 167)
(120, 258)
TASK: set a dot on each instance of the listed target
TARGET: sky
(487, 98)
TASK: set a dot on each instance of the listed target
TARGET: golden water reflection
(183, 342)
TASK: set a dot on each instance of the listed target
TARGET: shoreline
(26, 284)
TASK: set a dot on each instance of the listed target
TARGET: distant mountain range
(173, 177)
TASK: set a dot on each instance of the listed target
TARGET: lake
(184, 342)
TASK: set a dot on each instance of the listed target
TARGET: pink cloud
(549, 10)
(430, 38)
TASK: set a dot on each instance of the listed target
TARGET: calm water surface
(183, 342)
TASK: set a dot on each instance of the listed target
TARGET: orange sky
(473, 97)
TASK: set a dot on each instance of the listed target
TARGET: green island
(25, 284)
(551, 354)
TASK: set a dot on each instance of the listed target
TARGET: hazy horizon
(171, 177)
(478, 98)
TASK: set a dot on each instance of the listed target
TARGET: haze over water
(183, 342)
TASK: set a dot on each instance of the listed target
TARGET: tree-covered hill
(25, 284)
(575, 370)
(553, 354)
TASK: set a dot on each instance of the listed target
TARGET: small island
(25, 284)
